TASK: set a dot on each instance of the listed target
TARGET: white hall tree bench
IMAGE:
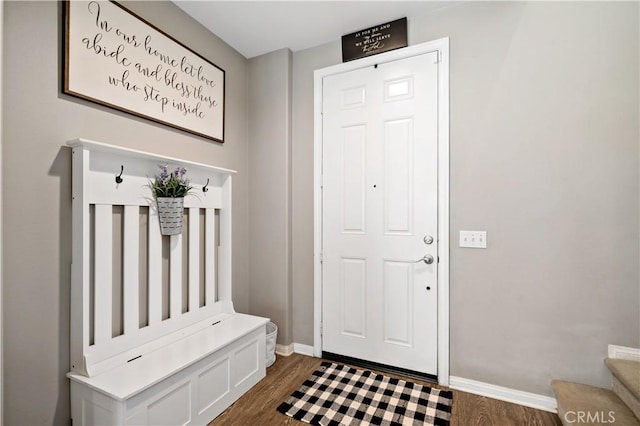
(155, 339)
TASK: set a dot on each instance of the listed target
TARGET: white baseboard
(284, 350)
(622, 352)
(298, 348)
(527, 399)
(301, 349)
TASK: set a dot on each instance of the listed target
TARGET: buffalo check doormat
(336, 394)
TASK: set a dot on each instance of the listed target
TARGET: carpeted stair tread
(625, 395)
(576, 397)
(627, 372)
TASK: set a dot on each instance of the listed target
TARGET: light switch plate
(473, 239)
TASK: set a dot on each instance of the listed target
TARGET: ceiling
(257, 27)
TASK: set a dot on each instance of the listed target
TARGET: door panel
(353, 298)
(398, 303)
(353, 168)
(379, 202)
(398, 170)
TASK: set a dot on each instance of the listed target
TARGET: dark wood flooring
(258, 406)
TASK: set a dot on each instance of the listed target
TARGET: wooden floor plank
(258, 406)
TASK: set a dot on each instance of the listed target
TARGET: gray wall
(304, 63)
(36, 190)
(544, 156)
(269, 261)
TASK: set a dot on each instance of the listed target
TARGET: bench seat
(189, 381)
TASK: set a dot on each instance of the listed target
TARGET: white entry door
(380, 213)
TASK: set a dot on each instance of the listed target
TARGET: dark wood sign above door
(374, 40)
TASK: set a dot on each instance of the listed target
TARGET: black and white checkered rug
(341, 395)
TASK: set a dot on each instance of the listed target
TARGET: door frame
(442, 47)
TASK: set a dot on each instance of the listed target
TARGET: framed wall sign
(374, 40)
(117, 59)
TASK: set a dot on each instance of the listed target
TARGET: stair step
(628, 372)
(626, 382)
(590, 405)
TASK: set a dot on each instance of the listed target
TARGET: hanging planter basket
(170, 212)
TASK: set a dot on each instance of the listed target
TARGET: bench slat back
(132, 288)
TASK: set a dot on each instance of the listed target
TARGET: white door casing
(379, 206)
(398, 167)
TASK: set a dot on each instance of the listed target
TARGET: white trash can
(272, 334)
